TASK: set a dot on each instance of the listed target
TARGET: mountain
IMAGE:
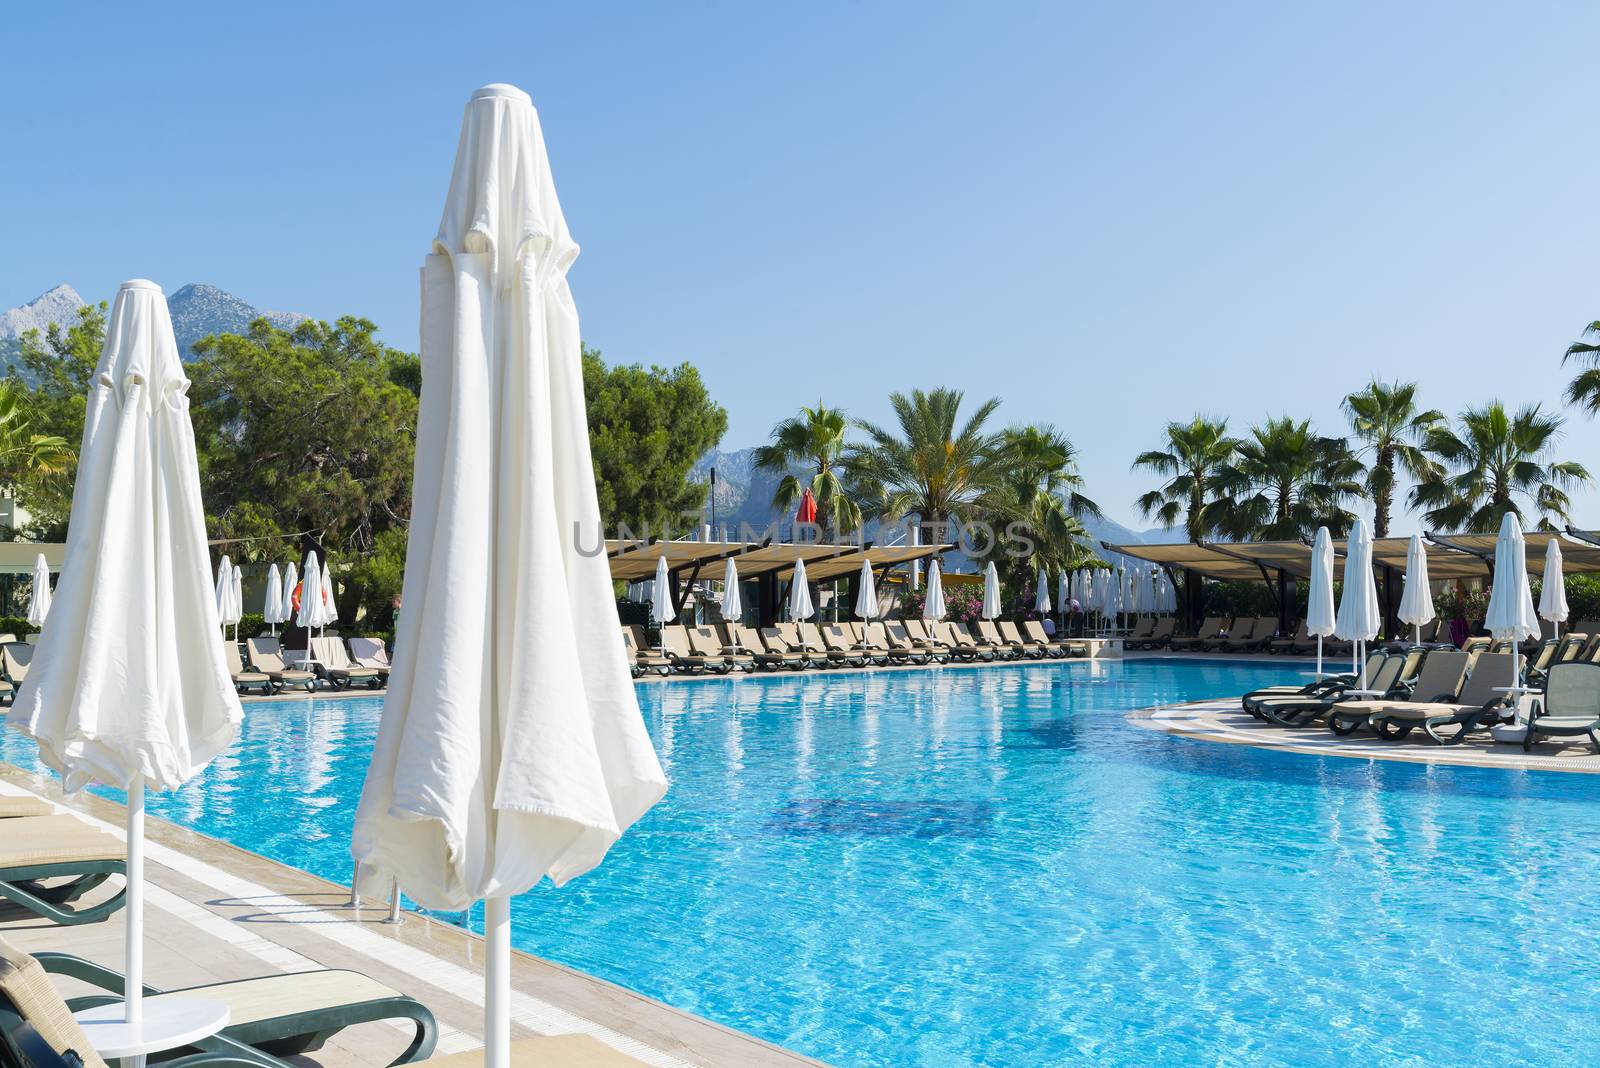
(59, 305)
(197, 310)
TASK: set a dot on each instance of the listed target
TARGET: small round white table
(167, 1022)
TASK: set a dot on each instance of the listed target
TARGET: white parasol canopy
(272, 603)
(1416, 604)
(39, 598)
(1320, 621)
(1358, 618)
(235, 597)
(732, 605)
(327, 611)
(309, 615)
(507, 655)
(933, 604)
(128, 685)
(1064, 592)
(800, 593)
(662, 610)
(1041, 593)
(991, 592)
(224, 589)
(1552, 591)
(867, 596)
(1511, 616)
(291, 580)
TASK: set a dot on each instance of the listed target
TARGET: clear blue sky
(1108, 215)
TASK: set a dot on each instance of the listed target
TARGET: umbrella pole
(1319, 656)
(497, 982)
(133, 933)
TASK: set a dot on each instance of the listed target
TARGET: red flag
(808, 509)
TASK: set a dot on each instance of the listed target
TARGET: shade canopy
(1358, 618)
(1511, 615)
(506, 656)
(39, 597)
(1416, 603)
(867, 595)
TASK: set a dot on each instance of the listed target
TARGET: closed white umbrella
(933, 604)
(1511, 617)
(1064, 593)
(309, 614)
(1129, 604)
(224, 589)
(732, 603)
(291, 582)
(1111, 604)
(991, 592)
(128, 685)
(662, 610)
(523, 683)
(1320, 619)
(1416, 604)
(272, 604)
(867, 595)
(236, 599)
(1041, 593)
(1358, 618)
(1552, 591)
(327, 612)
(39, 599)
(800, 593)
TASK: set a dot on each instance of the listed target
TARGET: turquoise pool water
(994, 867)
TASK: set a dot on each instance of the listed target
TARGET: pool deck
(1224, 720)
(214, 912)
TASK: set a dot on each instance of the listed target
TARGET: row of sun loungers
(49, 861)
(728, 647)
(1432, 689)
(362, 662)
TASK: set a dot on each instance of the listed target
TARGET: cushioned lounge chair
(1479, 705)
(271, 1017)
(1160, 636)
(809, 639)
(961, 636)
(15, 805)
(47, 863)
(839, 646)
(371, 653)
(1034, 632)
(1314, 688)
(1008, 633)
(1253, 635)
(930, 636)
(704, 641)
(1143, 627)
(243, 680)
(1441, 677)
(871, 639)
(745, 640)
(1292, 644)
(1189, 643)
(1569, 706)
(1304, 711)
(334, 660)
(266, 656)
(902, 649)
(675, 643)
(642, 659)
(778, 644)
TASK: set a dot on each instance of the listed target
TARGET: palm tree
(1286, 480)
(1194, 462)
(932, 464)
(1385, 418)
(1040, 489)
(1492, 462)
(22, 452)
(1584, 390)
(815, 440)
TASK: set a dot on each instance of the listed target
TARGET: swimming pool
(993, 867)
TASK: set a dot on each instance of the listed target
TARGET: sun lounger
(704, 641)
(1007, 632)
(1159, 636)
(266, 656)
(1208, 630)
(1294, 643)
(871, 639)
(675, 643)
(1253, 635)
(961, 635)
(35, 851)
(777, 644)
(839, 646)
(1034, 632)
(1142, 629)
(808, 638)
(1478, 705)
(929, 636)
(1440, 679)
(744, 640)
(335, 662)
(1313, 688)
(279, 1015)
(15, 805)
(902, 649)
(1302, 711)
(371, 653)
(641, 658)
(244, 680)
(15, 657)
(1569, 706)
(1238, 626)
